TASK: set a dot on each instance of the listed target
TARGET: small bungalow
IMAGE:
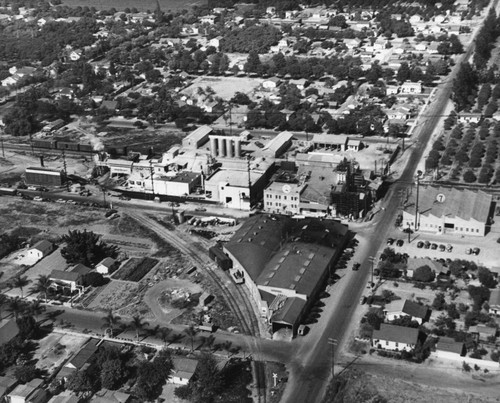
(29, 393)
(410, 87)
(271, 83)
(61, 278)
(494, 302)
(483, 333)
(447, 347)
(41, 249)
(80, 360)
(6, 385)
(415, 311)
(111, 396)
(8, 330)
(468, 117)
(106, 266)
(183, 370)
(397, 338)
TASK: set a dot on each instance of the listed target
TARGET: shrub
(466, 367)
(424, 274)
(469, 177)
(495, 356)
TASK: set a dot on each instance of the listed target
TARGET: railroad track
(233, 295)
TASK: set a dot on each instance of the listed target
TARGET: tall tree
(42, 285)
(111, 322)
(86, 247)
(209, 381)
(16, 307)
(137, 325)
(191, 332)
(20, 282)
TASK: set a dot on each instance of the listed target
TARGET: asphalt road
(310, 369)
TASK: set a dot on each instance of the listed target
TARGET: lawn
(224, 87)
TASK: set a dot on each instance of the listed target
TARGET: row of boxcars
(56, 144)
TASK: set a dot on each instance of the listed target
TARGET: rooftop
(83, 356)
(464, 204)
(495, 297)
(449, 344)
(297, 266)
(43, 246)
(290, 312)
(107, 261)
(399, 334)
(184, 367)
(415, 310)
(8, 330)
(64, 275)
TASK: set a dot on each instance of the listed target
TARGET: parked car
(468, 251)
(60, 201)
(356, 266)
(122, 197)
(434, 246)
(449, 248)
(476, 251)
(420, 244)
(427, 244)
(362, 300)
(37, 198)
(442, 248)
(200, 209)
(390, 241)
(400, 242)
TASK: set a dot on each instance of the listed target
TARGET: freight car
(58, 144)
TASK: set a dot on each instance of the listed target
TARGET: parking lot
(487, 246)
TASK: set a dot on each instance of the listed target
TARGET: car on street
(362, 300)
(400, 242)
(442, 248)
(476, 251)
(390, 241)
(434, 246)
(122, 197)
(449, 248)
(200, 209)
(37, 198)
(420, 244)
(356, 266)
(60, 201)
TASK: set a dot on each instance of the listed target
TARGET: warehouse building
(448, 210)
(44, 176)
(284, 264)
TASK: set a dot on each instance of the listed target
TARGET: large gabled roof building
(448, 210)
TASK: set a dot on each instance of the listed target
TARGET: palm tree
(191, 332)
(164, 334)
(20, 282)
(111, 321)
(137, 324)
(42, 285)
(16, 306)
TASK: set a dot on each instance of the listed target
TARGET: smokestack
(41, 161)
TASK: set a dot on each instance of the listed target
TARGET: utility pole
(151, 172)
(1, 140)
(65, 170)
(333, 343)
(416, 201)
(409, 230)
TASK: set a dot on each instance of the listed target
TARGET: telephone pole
(65, 170)
(416, 201)
(333, 343)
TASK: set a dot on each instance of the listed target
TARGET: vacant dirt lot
(224, 87)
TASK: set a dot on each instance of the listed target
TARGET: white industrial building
(282, 198)
(448, 210)
(197, 138)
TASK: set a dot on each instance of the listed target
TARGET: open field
(120, 5)
(224, 87)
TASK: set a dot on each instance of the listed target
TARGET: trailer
(8, 191)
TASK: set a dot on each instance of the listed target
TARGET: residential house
(447, 347)
(183, 370)
(6, 385)
(215, 42)
(64, 92)
(410, 87)
(8, 330)
(483, 333)
(468, 117)
(415, 18)
(80, 360)
(413, 310)
(75, 55)
(209, 19)
(354, 145)
(494, 302)
(397, 338)
(391, 90)
(299, 83)
(106, 266)
(111, 396)
(41, 249)
(29, 393)
(64, 279)
(271, 83)
(352, 43)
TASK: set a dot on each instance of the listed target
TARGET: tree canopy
(85, 247)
